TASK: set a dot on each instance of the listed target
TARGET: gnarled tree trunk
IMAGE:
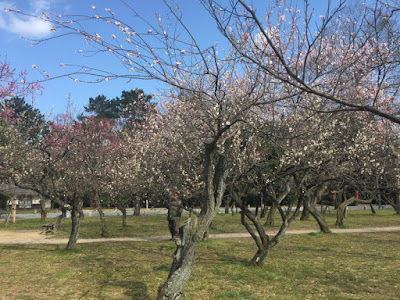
(75, 221)
(323, 225)
(308, 200)
(342, 208)
(260, 237)
(192, 232)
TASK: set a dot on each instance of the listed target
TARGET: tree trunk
(262, 240)
(206, 234)
(190, 235)
(323, 225)
(264, 206)
(227, 207)
(8, 216)
(96, 201)
(341, 210)
(343, 207)
(123, 210)
(182, 264)
(43, 212)
(308, 205)
(398, 204)
(271, 215)
(395, 203)
(305, 214)
(338, 199)
(192, 231)
(372, 208)
(137, 206)
(75, 229)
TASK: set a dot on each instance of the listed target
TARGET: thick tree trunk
(190, 235)
(206, 234)
(341, 211)
(192, 231)
(338, 199)
(182, 264)
(75, 221)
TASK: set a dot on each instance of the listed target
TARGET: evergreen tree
(30, 122)
(132, 106)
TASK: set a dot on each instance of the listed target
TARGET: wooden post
(15, 210)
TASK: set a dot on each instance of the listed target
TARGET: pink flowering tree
(13, 83)
(72, 161)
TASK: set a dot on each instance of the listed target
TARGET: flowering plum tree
(13, 84)
(348, 60)
(340, 67)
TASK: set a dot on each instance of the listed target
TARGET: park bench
(52, 227)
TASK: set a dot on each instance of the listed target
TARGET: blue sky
(16, 30)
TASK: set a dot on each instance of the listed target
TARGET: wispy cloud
(24, 26)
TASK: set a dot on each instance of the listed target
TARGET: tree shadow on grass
(229, 259)
(134, 289)
(38, 247)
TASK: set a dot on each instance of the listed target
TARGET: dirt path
(35, 237)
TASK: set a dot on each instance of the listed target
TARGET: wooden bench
(52, 227)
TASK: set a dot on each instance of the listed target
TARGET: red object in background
(357, 194)
(334, 196)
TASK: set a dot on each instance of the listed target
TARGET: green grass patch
(329, 266)
(156, 225)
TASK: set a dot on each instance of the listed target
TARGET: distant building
(25, 198)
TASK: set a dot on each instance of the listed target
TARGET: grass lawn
(146, 225)
(307, 266)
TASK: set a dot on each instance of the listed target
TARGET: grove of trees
(298, 108)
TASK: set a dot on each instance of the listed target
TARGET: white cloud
(25, 26)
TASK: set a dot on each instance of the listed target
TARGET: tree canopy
(131, 106)
(31, 123)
